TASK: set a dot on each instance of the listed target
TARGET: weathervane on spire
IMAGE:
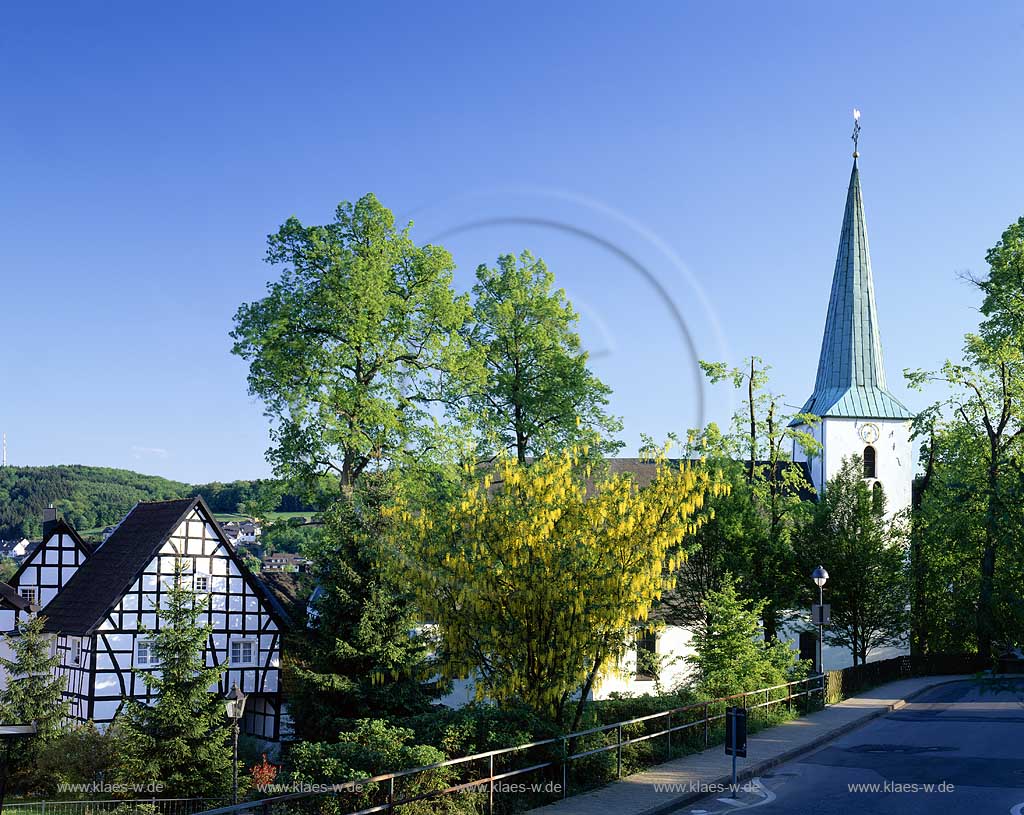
(856, 131)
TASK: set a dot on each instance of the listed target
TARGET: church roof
(851, 374)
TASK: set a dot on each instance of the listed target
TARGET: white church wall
(894, 463)
(894, 466)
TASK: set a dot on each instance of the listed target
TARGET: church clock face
(869, 433)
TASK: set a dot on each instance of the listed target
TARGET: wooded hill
(91, 497)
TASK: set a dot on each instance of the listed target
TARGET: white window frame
(240, 641)
(195, 582)
(75, 650)
(150, 660)
(33, 591)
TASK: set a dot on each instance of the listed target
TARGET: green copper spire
(851, 376)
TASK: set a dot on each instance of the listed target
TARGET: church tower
(859, 416)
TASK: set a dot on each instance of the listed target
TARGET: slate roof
(110, 571)
(851, 374)
(9, 598)
(644, 470)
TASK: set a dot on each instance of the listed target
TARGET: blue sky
(147, 150)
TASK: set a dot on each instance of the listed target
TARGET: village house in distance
(100, 605)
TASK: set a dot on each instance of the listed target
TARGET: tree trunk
(753, 423)
(985, 621)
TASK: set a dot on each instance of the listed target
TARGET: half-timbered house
(47, 570)
(104, 616)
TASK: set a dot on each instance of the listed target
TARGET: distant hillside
(91, 497)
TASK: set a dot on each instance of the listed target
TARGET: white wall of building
(894, 462)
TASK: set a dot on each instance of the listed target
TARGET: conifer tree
(34, 693)
(181, 738)
(358, 654)
(730, 655)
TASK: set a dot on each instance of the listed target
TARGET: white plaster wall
(838, 658)
(673, 646)
(894, 465)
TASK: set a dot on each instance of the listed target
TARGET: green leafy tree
(355, 344)
(947, 540)
(537, 583)
(539, 393)
(361, 653)
(762, 435)
(730, 655)
(727, 543)
(372, 747)
(865, 553)
(181, 738)
(34, 693)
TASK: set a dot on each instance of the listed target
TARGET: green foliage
(360, 653)
(539, 394)
(479, 727)
(181, 739)
(354, 344)
(730, 655)
(79, 755)
(728, 543)
(762, 435)
(8, 566)
(866, 556)
(95, 497)
(986, 401)
(537, 586)
(373, 747)
(33, 694)
(290, 537)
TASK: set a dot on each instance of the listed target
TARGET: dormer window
(869, 462)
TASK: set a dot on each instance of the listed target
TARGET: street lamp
(235, 707)
(819, 576)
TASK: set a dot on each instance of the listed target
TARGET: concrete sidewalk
(674, 784)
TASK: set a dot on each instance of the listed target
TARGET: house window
(29, 594)
(647, 656)
(243, 652)
(869, 462)
(145, 654)
(201, 582)
(76, 651)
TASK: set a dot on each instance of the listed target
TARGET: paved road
(966, 742)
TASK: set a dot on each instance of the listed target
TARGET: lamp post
(235, 707)
(819, 576)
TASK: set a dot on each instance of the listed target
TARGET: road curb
(756, 769)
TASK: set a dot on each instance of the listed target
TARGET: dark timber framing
(111, 604)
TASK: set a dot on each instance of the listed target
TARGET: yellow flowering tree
(536, 578)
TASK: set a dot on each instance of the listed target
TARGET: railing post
(670, 734)
(490, 791)
(565, 767)
(706, 734)
(618, 752)
(391, 794)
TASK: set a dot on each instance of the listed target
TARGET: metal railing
(153, 806)
(557, 756)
